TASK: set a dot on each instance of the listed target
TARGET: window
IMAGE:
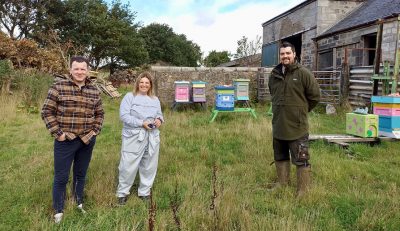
(325, 60)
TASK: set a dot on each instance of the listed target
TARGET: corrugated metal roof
(368, 12)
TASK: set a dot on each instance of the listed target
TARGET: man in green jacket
(294, 93)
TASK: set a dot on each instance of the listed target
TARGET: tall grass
(210, 177)
(32, 86)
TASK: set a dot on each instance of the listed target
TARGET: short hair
(142, 75)
(288, 44)
(79, 59)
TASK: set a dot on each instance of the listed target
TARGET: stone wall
(166, 76)
(330, 12)
(292, 23)
(308, 49)
(389, 37)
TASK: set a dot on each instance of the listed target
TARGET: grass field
(210, 177)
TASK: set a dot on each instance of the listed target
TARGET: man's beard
(290, 62)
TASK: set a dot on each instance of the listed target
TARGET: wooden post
(377, 61)
(345, 80)
(397, 59)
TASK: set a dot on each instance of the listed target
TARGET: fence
(262, 85)
(361, 85)
(329, 83)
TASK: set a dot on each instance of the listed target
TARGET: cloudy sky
(212, 24)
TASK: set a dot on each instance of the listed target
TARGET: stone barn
(337, 39)
(321, 30)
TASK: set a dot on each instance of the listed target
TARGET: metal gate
(329, 83)
(263, 94)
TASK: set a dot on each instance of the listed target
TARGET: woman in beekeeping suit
(140, 112)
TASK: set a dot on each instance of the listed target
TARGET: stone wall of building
(308, 50)
(330, 12)
(166, 76)
(389, 37)
(298, 21)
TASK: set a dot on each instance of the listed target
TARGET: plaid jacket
(72, 110)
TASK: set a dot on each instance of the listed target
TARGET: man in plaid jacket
(74, 115)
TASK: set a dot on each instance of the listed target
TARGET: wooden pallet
(344, 140)
(109, 90)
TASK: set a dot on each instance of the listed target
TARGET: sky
(211, 24)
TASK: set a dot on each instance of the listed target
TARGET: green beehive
(362, 125)
(241, 89)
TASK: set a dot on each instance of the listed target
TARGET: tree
(156, 39)
(118, 42)
(216, 58)
(107, 34)
(130, 52)
(246, 49)
(163, 44)
(18, 17)
(181, 52)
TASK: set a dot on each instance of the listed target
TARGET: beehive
(388, 110)
(182, 91)
(224, 98)
(198, 91)
(241, 89)
(362, 125)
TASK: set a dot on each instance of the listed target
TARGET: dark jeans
(65, 153)
(296, 150)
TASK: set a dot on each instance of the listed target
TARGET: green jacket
(293, 95)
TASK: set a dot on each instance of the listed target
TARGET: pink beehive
(182, 91)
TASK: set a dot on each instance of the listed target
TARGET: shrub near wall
(166, 76)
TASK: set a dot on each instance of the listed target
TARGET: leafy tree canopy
(106, 33)
(18, 17)
(216, 58)
(164, 45)
(247, 49)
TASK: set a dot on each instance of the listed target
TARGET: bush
(33, 86)
(26, 53)
(6, 68)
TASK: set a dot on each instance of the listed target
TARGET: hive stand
(215, 112)
(225, 100)
(175, 105)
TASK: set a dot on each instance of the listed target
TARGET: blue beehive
(224, 98)
(389, 120)
(389, 123)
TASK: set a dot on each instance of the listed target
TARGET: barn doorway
(369, 54)
(297, 43)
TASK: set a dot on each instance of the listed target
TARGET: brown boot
(283, 173)
(303, 180)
